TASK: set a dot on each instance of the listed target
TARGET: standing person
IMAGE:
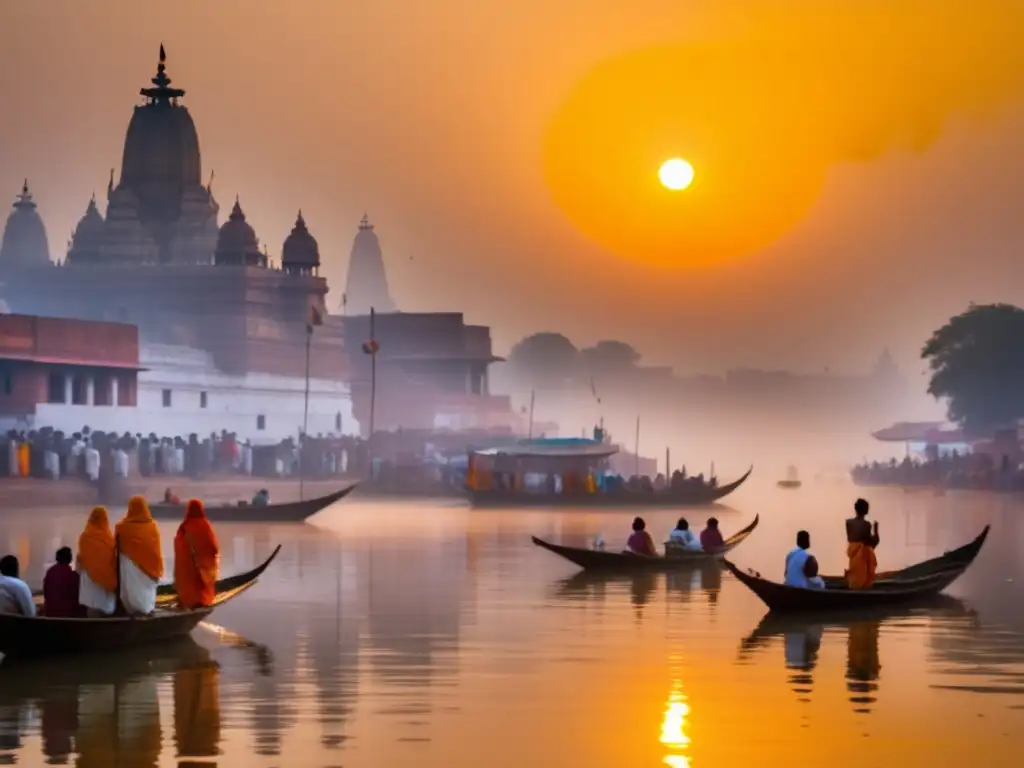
(141, 558)
(97, 565)
(61, 587)
(196, 559)
(15, 596)
(861, 541)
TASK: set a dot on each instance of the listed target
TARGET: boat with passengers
(576, 472)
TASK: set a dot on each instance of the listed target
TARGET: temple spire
(24, 200)
(364, 223)
(161, 92)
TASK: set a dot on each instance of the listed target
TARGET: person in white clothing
(682, 536)
(15, 596)
(802, 566)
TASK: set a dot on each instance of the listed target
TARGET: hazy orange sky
(860, 168)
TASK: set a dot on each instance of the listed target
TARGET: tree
(544, 359)
(977, 364)
(610, 356)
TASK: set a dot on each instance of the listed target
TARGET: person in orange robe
(196, 558)
(140, 557)
(862, 539)
(97, 565)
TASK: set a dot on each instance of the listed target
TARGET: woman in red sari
(196, 558)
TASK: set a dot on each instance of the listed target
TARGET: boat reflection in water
(105, 710)
(673, 727)
(802, 640)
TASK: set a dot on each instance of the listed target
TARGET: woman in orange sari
(196, 558)
(141, 558)
(97, 565)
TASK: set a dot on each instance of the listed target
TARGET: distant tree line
(552, 361)
(977, 366)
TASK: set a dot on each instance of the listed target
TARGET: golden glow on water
(673, 727)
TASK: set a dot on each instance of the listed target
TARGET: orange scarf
(139, 538)
(196, 557)
(863, 564)
(96, 550)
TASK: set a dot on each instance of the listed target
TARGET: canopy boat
(573, 472)
(792, 479)
(676, 558)
(913, 583)
(23, 636)
(287, 512)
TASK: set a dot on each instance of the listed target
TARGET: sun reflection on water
(673, 727)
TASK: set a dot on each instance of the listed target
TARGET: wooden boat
(910, 584)
(687, 496)
(23, 636)
(287, 512)
(792, 479)
(603, 560)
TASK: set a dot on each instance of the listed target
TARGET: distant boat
(792, 479)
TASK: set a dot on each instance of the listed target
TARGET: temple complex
(202, 296)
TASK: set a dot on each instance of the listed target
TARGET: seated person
(640, 541)
(15, 596)
(802, 566)
(60, 588)
(682, 536)
(711, 538)
(262, 498)
(170, 498)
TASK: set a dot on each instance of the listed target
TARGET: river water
(429, 635)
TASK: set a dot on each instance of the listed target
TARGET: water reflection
(105, 709)
(673, 727)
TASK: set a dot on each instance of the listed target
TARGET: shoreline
(19, 493)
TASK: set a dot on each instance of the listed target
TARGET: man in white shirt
(15, 596)
(798, 567)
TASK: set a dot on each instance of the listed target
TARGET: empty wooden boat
(287, 512)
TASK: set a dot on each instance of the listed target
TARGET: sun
(676, 174)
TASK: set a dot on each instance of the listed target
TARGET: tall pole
(529, 432)
(373, 381)
(636, 446)
(668, 464)
(305, 415)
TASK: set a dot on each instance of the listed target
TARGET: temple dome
(237, 244)
(24, 242)
(366, 285)
(300, 252)
(87, 240)
(161, 149)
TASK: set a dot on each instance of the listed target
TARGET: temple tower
(24, 242)
(367, 283)
(237, 244)
(300, 254)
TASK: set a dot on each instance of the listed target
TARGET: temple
(216, 317)
(366, 285)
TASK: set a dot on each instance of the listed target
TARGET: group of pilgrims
(801, 567)
(116, 571)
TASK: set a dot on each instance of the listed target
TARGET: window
(167, 398)
(337, 422)
(261, 422)
(55, 387)
(202, 399)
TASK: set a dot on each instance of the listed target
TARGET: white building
(180, 391)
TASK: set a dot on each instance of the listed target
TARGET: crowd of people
(979, 471)
(801, 567)
(51, 454)
(117, 572)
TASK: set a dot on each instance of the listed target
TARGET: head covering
(196, 558)
(139, 538)
(96, 554)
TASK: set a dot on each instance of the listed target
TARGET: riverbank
(29, 493)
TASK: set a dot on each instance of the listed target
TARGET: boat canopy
(557, 447)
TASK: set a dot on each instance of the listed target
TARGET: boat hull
(617, 499)
(288, 512)
(789, 483)
(604, 560)
(917, 582)
(36, 636)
